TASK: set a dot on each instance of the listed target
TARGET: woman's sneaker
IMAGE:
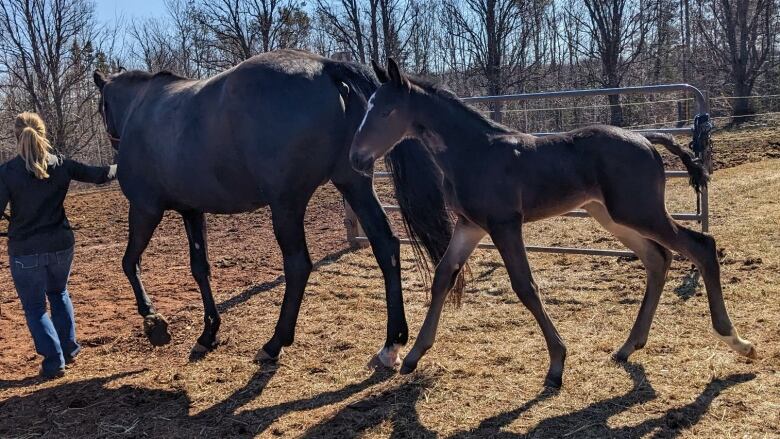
(50, 375)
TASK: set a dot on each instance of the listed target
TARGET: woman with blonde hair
(40, 240)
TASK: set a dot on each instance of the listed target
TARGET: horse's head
(387, 119)
(107, 107)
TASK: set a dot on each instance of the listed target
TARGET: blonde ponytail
(32, 144)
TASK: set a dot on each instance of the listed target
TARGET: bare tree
(497, 36)
(616, 35)
(47, 49)
(740, 34)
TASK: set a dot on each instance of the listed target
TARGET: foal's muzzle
(362, 163)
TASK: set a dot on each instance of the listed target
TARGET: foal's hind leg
(465, 238)
(699, 248)
(359, 193)
(508, 238)
(195, 225)
(656, 259)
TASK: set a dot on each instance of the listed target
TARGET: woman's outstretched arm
(90, 174)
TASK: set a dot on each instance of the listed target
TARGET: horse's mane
(142, 75)
(438, 91)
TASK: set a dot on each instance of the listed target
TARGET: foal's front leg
(508, 238)
(464, 240)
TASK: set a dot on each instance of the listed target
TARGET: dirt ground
(482, 378)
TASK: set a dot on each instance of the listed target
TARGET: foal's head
(387, 120)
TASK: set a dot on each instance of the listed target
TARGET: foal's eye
(387, 112)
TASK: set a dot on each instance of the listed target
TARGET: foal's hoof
(751, 352)
(387, 357)
(620, 357)
(156, 330)
(553, 381)
(265, 357)
(407, 368)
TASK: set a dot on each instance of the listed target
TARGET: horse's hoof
(156, 330)
(553, 381)
(264, 357)
(407, 368)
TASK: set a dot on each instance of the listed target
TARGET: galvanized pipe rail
(355, 232)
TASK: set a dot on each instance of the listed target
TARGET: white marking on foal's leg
(739, 344)
(197, 246)
(370, 106)
(389, 355)
(393, 261)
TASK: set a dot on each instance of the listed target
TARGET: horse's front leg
(360, 195)
(141, 228)
(465, 238)
(195, 225)
(288, 228)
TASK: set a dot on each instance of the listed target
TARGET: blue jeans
(37, 277)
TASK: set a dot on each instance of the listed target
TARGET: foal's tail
(696, 171)
(417, 181)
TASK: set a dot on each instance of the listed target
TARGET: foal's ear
(100, 79)
(395, 73)
(380, 73)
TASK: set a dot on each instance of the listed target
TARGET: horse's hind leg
(195, 225)
(361, 197)
(508, 238)
(656, 260)
(465, 238)
(653, 222)
(287, 220)
(141, 229)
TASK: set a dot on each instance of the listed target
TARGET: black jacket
(38, 223)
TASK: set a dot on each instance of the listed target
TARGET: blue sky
(109, 10)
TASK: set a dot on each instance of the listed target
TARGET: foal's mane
(437, 91)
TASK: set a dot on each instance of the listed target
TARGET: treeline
(476, 47)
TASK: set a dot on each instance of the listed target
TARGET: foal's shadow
(396, 405)
(592, 421)
(689, 284)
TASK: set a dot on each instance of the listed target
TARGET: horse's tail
(420, 195)
(696, 171)
(417, 181)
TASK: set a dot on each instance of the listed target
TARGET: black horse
(267, 132)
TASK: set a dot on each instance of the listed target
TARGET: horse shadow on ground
(254, 290)
(94, 408)
(398, 407)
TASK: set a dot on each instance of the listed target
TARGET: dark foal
(496, 179)
(266, 132)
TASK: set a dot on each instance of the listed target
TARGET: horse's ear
(380, 73)
(121, 69)
(100, 79)
(394, 72)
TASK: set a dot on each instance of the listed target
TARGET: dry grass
(484, 375)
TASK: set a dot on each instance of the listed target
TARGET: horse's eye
(387, 112)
